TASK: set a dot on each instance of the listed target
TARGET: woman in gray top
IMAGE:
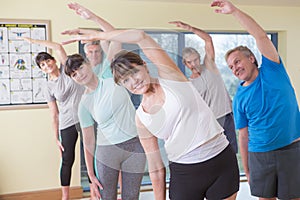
(63, 96)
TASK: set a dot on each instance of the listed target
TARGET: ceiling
(281, 3)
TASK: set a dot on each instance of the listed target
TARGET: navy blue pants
(227, 123)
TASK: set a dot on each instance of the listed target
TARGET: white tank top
(184, 122)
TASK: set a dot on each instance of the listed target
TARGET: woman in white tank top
(173, 110)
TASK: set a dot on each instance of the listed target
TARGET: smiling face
(242, 66)
(94, 54)
(83, 75)
(46, 63)
(130, 71)
(48, 66)
(137, 81)
(80, 70)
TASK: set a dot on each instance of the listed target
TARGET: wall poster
(21, 81)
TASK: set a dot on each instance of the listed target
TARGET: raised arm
(155, 164)
(166, 67)
(264, 44)
(89, 15)
(109, 48)
(209, 59)
(61, 54)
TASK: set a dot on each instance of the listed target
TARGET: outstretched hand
(225, 7)
(81, 11)
(83, 35)
(181, 25)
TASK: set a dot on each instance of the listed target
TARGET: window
(174, 42)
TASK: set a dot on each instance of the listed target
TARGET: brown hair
(73, 63)
(42, 56)
(121, 65)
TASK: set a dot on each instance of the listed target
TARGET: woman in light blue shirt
(117, 147)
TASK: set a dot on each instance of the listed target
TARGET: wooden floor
(243, 194)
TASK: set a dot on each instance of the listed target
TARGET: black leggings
(68, 138)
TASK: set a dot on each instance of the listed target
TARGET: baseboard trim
(53, 194)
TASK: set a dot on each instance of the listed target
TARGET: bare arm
(209, 59)
(109, 48)
(264, 44)
(54, 112)
(58, 48)
(243, 143)
(166, 67)
(89, 150)
(155, 164)
(105, 46)
(89, 15)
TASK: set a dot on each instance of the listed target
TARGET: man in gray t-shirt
(208, 81)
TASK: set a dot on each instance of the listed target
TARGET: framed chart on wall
(22, 83)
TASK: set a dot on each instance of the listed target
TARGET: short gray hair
(245, 50)
(187, 51)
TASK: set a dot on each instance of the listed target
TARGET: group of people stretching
(192, 115)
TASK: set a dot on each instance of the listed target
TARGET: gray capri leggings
(129, 157)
